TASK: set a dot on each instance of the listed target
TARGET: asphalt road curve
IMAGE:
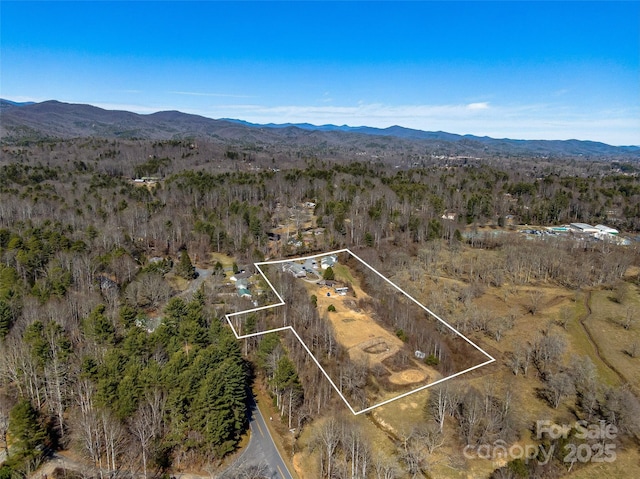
(260, 453)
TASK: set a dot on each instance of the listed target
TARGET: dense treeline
(376, 199)
(179, 391)
(98, 353)
(298, 386)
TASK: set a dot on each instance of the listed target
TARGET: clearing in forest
(373, 342)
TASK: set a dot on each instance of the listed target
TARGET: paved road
(203, 274)
(195, 284)
(261, 451)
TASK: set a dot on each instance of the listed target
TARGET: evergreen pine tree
(185, 268)
(6, 318)
(328, 274)
(26, 431)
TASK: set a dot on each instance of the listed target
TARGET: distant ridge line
(58, 120)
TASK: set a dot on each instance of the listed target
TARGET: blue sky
(549, 70)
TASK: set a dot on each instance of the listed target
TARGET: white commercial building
(607, 229)
(583, 228)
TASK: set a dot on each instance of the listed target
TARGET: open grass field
(177, 283)
(225, 260)
(614, 341)
(626, 466)
(352, 326)
(366, 341)
(609, 341)
(589, 322)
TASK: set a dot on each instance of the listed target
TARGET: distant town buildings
(598, 232)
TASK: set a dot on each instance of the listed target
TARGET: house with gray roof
(328, 261)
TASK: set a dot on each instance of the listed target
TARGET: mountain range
(54, 120)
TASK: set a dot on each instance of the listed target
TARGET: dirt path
(596, 348)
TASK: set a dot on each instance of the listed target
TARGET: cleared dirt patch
(352, 327)
(366, 340)
(408, 376)
(376, 348)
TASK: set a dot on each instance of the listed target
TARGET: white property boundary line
(290, 328)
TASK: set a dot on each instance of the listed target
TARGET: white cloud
(549, 121)
(372, 112)
(532, 121)
(478, 106)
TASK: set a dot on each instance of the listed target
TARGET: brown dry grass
(626, 466)
(176, 282)
(399, 417)
(226, 260)
(351, 327)
(403, 414)
(356, 330)
(408, 376)
(612, 339)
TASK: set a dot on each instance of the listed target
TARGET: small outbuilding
(244, 293)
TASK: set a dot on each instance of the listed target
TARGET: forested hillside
(106, 351)
(23, 124)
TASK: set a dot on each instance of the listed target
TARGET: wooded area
(104, 350)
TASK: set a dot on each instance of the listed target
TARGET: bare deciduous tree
(622, 408)
(5, 407)
(535, 301)
(385, 467)
(114, 437)
(470, 414)
(412, 454)
(547, 349)
(620, 291)
(629, 318)
(558, 387)
(565, 316)
(431, 436)
(520, 358)
(150, 290)
(143, 425)
(327, 438)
